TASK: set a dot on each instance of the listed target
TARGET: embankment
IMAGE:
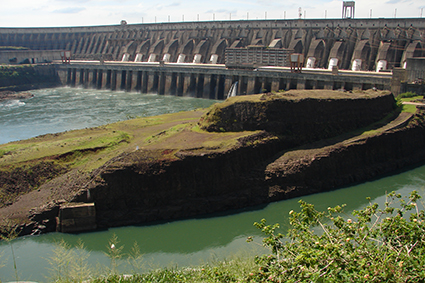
(26, 77)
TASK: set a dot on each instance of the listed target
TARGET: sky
(62, 13)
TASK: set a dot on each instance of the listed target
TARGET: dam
(193, 58)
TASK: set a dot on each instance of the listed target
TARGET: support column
(186, 83)
(88, 76)
(114, 80)
(180, 84)
(152, 82)
(69, 77)
(133, 80)
(161, 86)
(118, 80)
(357, 86)
(104, 79)
(77, 77)
(300, 84)
(167, 83)
(206, 87)
(138, 85)
(275, 85)
(213, 88)
(129, 81)
(145, 79)
(199, 85)
(93, 80)
(99, 77)
(328, 85)
(74, 77)
(250, 85)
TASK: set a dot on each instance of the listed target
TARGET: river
(178, 243)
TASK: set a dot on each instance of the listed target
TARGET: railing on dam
(211, 81)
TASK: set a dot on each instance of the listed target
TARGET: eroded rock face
(321, 114)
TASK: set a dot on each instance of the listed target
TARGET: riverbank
(26, 77)
(166, 167)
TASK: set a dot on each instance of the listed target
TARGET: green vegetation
(408, 94)
(408, 97)
(373, 245)
(13, 48)
(378, 245)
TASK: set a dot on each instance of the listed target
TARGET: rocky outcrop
(161, 181)
(140, 187)
(302, 117)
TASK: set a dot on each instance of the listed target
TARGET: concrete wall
(370, 43)
(34, 56)
(210, 81)
(415, 69)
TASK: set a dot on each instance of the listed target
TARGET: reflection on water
(193, 241)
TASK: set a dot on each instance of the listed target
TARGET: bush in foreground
(377, 245)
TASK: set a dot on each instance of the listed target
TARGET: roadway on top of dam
(216, 67)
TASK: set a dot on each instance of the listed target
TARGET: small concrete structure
(33, 56)
(76, 217)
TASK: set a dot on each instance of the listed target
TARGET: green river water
(178, 243)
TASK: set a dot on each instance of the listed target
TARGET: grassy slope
(97, 145)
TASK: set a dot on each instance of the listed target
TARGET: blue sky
(49, 13)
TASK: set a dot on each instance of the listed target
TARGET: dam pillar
(206, 87)
(275, 85)
(179, 84)
(106, 79)
(186, 83)
(197, 58)
(144, 82)
(213, 59)
(85, 81)
(152, 57)
(139, 57)
(153, 79)
(181, 58)
(357, 86)
(168, 82)
(250, 88)
(79, 77)
(129, 81)
(301, 84)
(213, 87)
(356, 65)
(199, 86)
(166, 57)
(119, 80)
(114, 80)
(134, 80)
(99, 77)
(68, 76)
(161, 85)
(93, 79)
(328, 85)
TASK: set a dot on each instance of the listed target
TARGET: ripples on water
(61, 109)
(182, 243)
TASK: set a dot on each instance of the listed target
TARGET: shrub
(406, 95)
(377, 245)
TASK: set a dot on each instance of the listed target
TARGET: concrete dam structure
(187, 58)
